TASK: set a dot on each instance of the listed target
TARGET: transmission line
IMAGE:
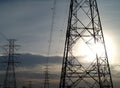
(3, 35)
(46, 81)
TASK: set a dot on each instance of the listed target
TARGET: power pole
(10, 77)
(85, 29)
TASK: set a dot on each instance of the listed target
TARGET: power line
(46, 81)
(62, 31)
(3, 35)
(52, 26)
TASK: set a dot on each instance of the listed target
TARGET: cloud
(29, 21)
(32, 68)
(30, 60)
(115, 70)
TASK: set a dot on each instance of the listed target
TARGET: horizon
(29, 21)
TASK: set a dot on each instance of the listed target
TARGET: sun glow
(88, 54)
(98, 49)
(110, 47)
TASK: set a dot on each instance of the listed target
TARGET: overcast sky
(29, 21)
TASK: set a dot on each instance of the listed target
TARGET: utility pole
(10, 76)
(84, 30)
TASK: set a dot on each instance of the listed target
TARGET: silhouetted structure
(84, 30)
(10, 77)
(46, 80)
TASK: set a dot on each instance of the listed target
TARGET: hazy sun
(89, 53)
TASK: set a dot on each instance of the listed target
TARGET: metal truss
(84, 30)
(10, 76)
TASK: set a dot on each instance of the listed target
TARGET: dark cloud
(32, 68)
(31, 60)
(27, 60)
(29, 21)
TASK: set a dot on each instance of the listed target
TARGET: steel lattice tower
(46, 81)
(10, 77)
(84, 30)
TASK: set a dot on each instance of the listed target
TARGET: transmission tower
(46, 81)
(10, 77)
(84, 30)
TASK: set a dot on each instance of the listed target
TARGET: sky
(29, 21)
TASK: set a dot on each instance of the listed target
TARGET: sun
(98, 49)
(84, 53)
(88, 54)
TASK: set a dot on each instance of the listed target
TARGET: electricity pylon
(10, 77)
(88, 67)
(46, 80)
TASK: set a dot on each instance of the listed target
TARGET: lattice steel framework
(88, 67)
(10, 77)
(46, 81)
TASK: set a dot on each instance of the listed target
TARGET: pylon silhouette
(89, 69)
